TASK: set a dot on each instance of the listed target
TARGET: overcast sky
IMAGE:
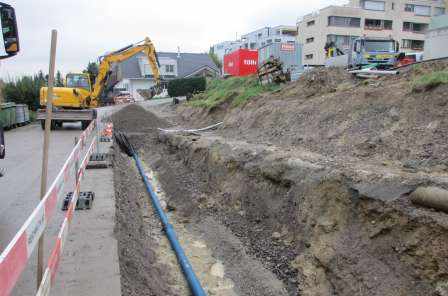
(89, 28)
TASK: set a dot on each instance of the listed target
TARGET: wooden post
(76, 166)
(43, 182)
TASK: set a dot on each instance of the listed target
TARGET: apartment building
(406, 21)
(257, 39)
(436, 40)
(261, 37)
(225, 47)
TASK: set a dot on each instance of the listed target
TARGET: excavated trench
(257, 220)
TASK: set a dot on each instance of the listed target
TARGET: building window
(308, 56)
(418, 9)
(393, 5)
(169, 68)
(341, 21)
(253, 45)
(414, 27)
(269, 41)
(373, 24)
(277, 32)
(291, 42)
(278, 40)
(263, 43)
(439, 11)
(374, 5)
(341, 41)
(310, 23)
(412, 44)
(310, 40)
(260, 35)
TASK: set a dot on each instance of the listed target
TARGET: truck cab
(368, 51)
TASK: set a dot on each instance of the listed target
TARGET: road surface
(20, 187)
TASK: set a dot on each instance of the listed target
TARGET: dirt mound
(317, 82)
(135, 119)
(329, 112)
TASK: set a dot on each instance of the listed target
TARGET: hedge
(185, 86)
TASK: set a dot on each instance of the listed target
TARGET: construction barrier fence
(14, 258)
(53, 262)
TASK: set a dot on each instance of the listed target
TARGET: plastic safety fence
(53, 262)
(14, 258)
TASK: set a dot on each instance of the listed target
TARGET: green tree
(59, 80)
(92, 69)
(215, 58)
(25, 90)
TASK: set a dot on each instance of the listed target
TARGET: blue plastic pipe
(192, 280)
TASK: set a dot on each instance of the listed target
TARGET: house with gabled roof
(136, 75)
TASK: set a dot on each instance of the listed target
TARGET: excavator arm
(119, 56)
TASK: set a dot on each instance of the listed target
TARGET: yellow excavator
(77, 100)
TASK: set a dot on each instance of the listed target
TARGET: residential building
(257, 39)
(264, 36)
(135, 73)
(223, 48)
(436, 40)
(406, 21)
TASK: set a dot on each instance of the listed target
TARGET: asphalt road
(20, 187)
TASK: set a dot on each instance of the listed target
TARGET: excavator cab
(79, 80)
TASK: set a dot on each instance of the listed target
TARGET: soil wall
(311, 226)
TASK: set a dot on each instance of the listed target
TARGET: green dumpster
(10, 116)
(4, 116)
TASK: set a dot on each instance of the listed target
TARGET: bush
(235, 90)
(185, 86)
(429, 81)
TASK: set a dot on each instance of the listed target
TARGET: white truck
(380, 52)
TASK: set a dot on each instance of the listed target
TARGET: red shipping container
(241, 62)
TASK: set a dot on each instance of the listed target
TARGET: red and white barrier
(14, 258)
(108, 131)
(53, 262)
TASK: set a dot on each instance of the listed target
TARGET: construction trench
(279, 201)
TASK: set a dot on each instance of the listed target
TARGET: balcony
(377, 25)
(419, 28)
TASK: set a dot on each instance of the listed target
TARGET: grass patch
(236, 90)
(429, 81)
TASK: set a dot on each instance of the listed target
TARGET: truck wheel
(85, 124)
(52, 125)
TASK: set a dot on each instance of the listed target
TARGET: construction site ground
(301, 191)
